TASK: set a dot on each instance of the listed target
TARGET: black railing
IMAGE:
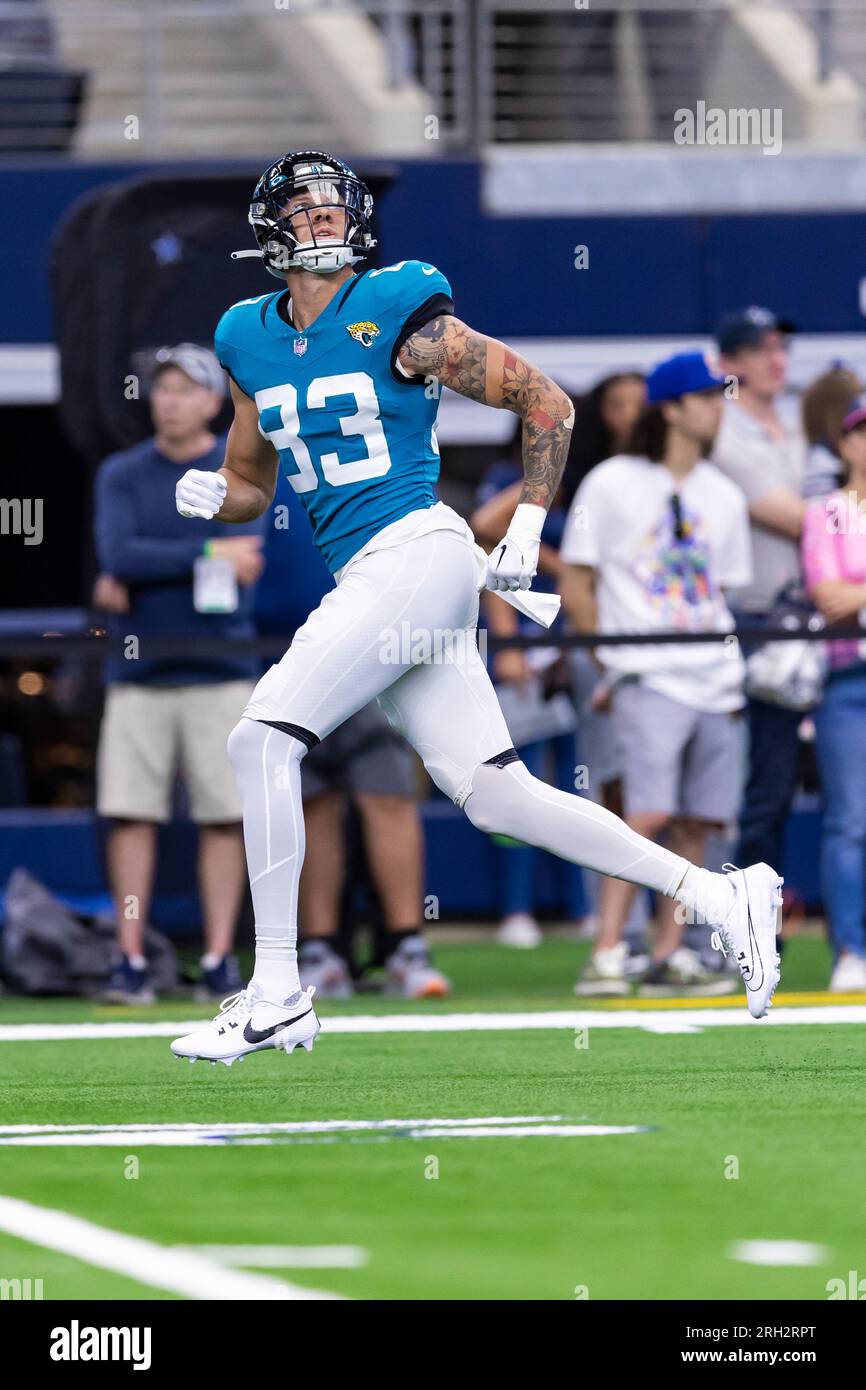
(98, 645)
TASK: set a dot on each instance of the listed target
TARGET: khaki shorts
(152, 733)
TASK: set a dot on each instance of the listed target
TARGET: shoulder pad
(408, 283)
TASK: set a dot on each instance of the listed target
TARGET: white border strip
(158, 1266)
(282, 1126)
(283, 1256)
(652, 1021)
(268, 1132)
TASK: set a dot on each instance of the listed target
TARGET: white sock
(707, 897)
(267, 764)
(276, 969)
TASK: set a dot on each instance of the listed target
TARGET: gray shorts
(363, 755)
(676, 760)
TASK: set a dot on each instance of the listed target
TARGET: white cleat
(750, 931)
(247, 1022)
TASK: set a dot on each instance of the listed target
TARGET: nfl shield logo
(300, 346)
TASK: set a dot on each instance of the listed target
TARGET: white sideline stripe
(778, 1252)
(267, 1132)
(529, 1132)
(158, 1266)
(282, 1126)
(283, 1256)
(169, 1137)
(662, 1021)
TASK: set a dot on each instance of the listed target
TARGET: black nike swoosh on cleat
(753, 942)
(252, 1035)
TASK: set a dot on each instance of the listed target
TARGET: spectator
(604, 420)
(367, 763)
(161, 712)
(654, 536)
(764, 454)
(834, 560)
(525, 695)
(824, 405)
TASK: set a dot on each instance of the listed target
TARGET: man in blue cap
(658, 534)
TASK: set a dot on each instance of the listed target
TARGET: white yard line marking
(285, 1126)
(685, 1020)
(529, 1131)
(158, 1266)
(284, 1256)
(778, 1252)
(302, 1132)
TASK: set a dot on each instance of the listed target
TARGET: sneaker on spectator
(520, 930)
(319, 965)
(412, 973)
(684, 973)
(605, 973)
(219, 979)
(849, 974)
(129, 984)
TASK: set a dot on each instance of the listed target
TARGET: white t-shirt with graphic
(623, 522)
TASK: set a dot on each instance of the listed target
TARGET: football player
(336, 378)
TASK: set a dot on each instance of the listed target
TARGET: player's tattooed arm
(484, 369)
(251, 463)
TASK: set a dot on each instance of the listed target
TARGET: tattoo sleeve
(484, 369)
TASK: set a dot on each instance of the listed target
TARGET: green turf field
(648, 1214)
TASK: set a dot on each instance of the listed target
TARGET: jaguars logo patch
(364, 332)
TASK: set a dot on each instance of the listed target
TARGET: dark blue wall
(65, 849)
(647, 275)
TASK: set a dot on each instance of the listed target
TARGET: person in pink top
(834, 564)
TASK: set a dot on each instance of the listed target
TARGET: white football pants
(401, 626)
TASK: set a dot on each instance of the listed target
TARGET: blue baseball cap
(681, 375)
(746, 327)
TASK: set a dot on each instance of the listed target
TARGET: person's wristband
(207, 549)
(527, 523)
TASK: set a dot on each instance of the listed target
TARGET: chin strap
(304, 255)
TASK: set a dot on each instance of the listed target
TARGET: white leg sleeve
(510, 801)
(267, 764)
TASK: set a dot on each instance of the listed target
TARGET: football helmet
(286, 215)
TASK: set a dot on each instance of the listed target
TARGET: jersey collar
(279, 311)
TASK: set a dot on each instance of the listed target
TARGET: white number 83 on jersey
(365, 421)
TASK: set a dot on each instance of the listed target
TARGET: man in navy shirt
(168, 577)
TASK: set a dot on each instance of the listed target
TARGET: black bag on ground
(47, 949)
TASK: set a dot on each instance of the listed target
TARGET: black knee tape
(510, 755)
(304, 736)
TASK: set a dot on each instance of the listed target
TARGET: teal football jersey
(356, 438)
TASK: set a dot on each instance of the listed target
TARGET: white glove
(513, 563)
(200, 493)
